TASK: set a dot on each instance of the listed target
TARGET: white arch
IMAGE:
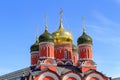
(94, 75)
(68, 62)
(72, 75)
(48, 74)
(51, 60)
(60, 62)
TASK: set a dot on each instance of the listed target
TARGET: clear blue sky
(19, 18)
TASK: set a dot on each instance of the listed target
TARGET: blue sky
(19, 18)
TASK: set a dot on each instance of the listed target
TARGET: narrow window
(66, 54)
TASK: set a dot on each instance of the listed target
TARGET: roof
(16, 75)
(116, 78)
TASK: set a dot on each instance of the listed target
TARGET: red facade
(60, 60)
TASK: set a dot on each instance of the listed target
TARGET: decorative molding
(60, 62)
(94, 75)
(34, 52)
(52, 75)
(44, 57)
(76, 76)
(85, 59)
(84, 45)
(41, 43)
(68, 62)
(63, 59)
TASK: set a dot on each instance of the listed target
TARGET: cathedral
(55, 57)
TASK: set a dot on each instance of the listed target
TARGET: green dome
(35, 46)
(84, 39)
(46, 37)
(74, 48)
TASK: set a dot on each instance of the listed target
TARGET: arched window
(48, 51)
(66, 55)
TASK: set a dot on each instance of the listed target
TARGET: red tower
(46, 54)
(63, 45)
(56, 57)
(46, 45)
(35, 52)
(85, 61)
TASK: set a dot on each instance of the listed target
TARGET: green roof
(84, 39)
(46, 37)
(35, 46)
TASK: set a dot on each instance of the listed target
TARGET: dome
(46, 36)
(61, 36)
(84, 39)
(35, 46)
(74, 48)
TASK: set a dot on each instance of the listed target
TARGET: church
(55, 57)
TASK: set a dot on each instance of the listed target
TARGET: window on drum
(66, 55)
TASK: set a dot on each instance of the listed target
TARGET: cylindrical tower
(85, 61)
(85, 47)
(34, 52)
(63, 44)
(46, 45)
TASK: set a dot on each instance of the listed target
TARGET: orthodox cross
(83, 24)
(61, 11)
(46, 27)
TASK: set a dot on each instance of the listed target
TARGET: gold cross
(61, 11)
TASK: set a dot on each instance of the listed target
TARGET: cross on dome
(83, 24)
(61, 12)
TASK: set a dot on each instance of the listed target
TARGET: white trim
(84, 45)
(68, 62)
(43, 64)
(34, 55)
(51, 60)
(71, 75)
(64, 59)
(34, 52)
(46, 43)
(46, 57)
(85, 59)
(68, 45)
(94, 75)
(60, 62)
(48, 74)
